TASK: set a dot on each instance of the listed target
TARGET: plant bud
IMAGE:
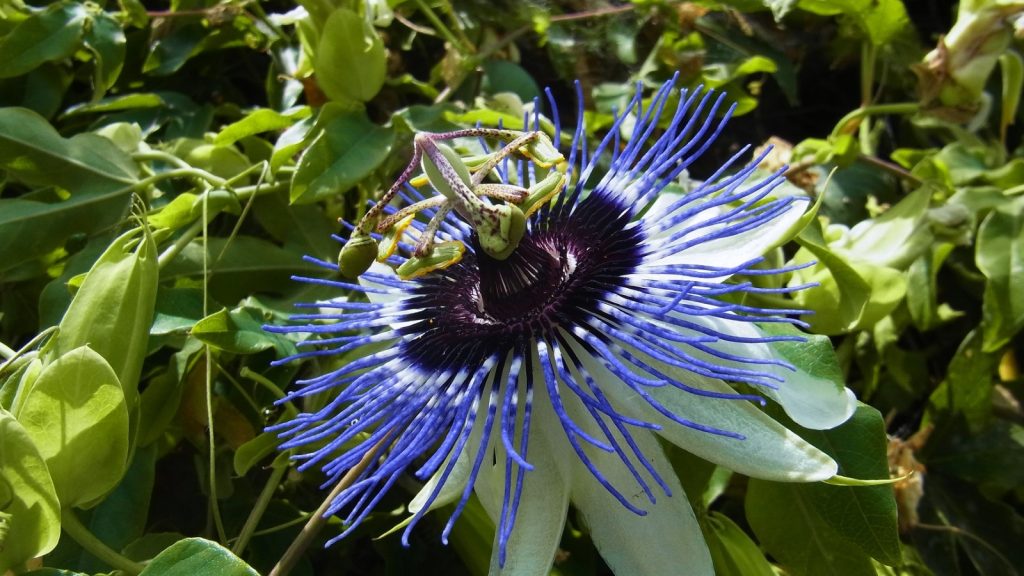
(357, 255)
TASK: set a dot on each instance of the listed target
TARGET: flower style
(542, 379)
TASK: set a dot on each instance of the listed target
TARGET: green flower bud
(952, 77)
(357, 255)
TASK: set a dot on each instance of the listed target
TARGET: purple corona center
(560, 270)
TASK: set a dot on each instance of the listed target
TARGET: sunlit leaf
(349, 148)
(97, 174)
(1000, 257)
(106, 40)
(51, 34)
(113, 310)
(350, 59)
(76, 414)
(30, 500)
(197, 557)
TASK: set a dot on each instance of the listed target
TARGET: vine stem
(875, 110)
(318, 519)
(70, 523)
(867, 82)
(967, 536)
(11, 355)
(190, 234)
(444, 31)
(488, 51)
(179, 244)
(258, 509)
(218, 522)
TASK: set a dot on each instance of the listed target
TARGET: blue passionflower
(542, 380)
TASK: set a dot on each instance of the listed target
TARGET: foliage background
(186, 155)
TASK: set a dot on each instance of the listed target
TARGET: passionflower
(541, 380)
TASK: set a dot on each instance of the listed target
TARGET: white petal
(734, 250)
(392, 297)
(667, 540)
(544, 502)
(453, 485)
(768, 450)
(811, 401)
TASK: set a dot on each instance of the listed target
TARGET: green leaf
(34, 522)
(42, 90)
(51, 34)
(732, 551)
(176, 214)
(348, 150)
(224, 161)
(419, 118)
(993, 457)
(895, 238)
(186, 207)
(350, 60)
(159, 402)
(796, 535)
(113, 310)
(487, 118)
(168, 53)
(240, 265)
(20, 380)
(967, 389)
(258, 121)
(151, 544)
(922, 288)
(864, 515)
(197, 557)
(33, 152)
(292, 141)
(30, 230)
(853, 291)
(96, 172)
(127, 137)
(77, 417)
(1012, 67)
(254, 451)
(304, 228)
(989, 532)
(177, 310)
(239, 331)
(105, 39)
(57, 295)
(1000, 257)
(504, 76)
(845, 524)
(815, 355)
(121, 518)
(849, 188)
(134, 12)
(849, 296)
(297, 138)
(879, 20)
(132, 101)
